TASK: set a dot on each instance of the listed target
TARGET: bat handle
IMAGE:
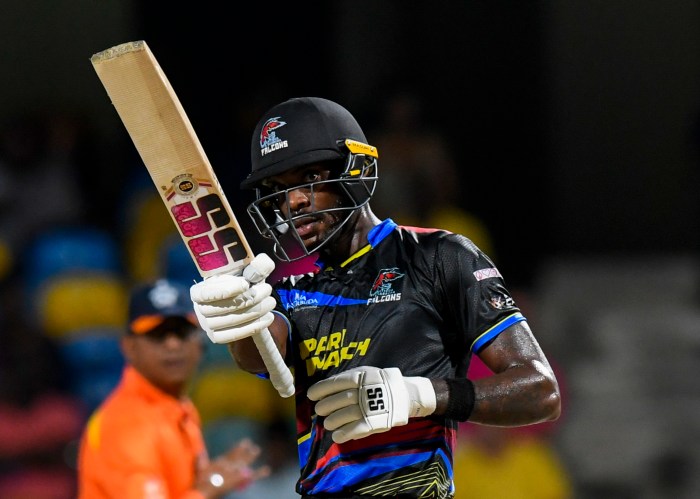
(280, 375)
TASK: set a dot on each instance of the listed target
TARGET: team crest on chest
(384, 286)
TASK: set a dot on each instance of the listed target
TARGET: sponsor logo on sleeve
(482, 274)
(501, 301)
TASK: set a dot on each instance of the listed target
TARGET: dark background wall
(476, 65)
(574, 123)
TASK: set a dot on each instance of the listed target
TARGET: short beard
(346, 232)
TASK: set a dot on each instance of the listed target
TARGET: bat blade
(174, 157)
(182, 173)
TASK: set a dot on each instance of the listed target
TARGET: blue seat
(69, 249)
(92, 351)
(177, 262)
(93, 364)
(94, 390)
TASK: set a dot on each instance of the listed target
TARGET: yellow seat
(68, 303)
(6, 260)
(460, 221)
(226, 391)
(150, 227)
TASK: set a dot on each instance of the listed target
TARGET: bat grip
(280, 375)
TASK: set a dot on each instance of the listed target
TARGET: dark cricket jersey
(422, 300)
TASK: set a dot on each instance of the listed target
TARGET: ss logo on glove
(366, 400)
(375, 400)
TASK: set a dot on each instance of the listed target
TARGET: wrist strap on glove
(421, 396)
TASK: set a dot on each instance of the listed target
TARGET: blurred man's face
(168, 356)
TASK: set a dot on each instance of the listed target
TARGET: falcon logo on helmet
(268, 137)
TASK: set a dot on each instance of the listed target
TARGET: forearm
(515, 397)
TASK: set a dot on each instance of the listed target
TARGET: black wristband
(460, 399)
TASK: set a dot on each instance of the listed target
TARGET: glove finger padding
(368, 400)
(241, 303)
(235, 333)
(218, 287)
(354, 430)
(337, 401)
(259, 268)
(229, 308)
(343, 416)
(348, 380)
(240, 317)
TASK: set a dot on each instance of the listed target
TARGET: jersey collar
(376, 235)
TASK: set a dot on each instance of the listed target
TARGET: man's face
(168, 356)
(299, 200)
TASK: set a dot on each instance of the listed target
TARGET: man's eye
(315, 176)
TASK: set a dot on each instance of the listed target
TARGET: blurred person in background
(145, 440)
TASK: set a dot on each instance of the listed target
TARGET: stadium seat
(73, 248)
(149, 225)
(68, 303)
(222, 391)
(6, 259)
(93, 363)
(176, 261)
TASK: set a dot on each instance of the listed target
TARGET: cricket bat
(175, 160)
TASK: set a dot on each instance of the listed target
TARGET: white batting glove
(368, 400)
(229, 308)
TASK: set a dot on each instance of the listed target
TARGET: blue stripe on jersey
(350, 474)
(494, 331)
(380, 231)
(304, 445)
(297, 298)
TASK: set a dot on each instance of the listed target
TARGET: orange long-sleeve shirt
(140, 444)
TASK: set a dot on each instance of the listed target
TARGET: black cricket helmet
(298, 132)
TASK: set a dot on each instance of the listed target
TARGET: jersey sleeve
(474, 293)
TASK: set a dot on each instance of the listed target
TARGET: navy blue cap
(151, 304)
